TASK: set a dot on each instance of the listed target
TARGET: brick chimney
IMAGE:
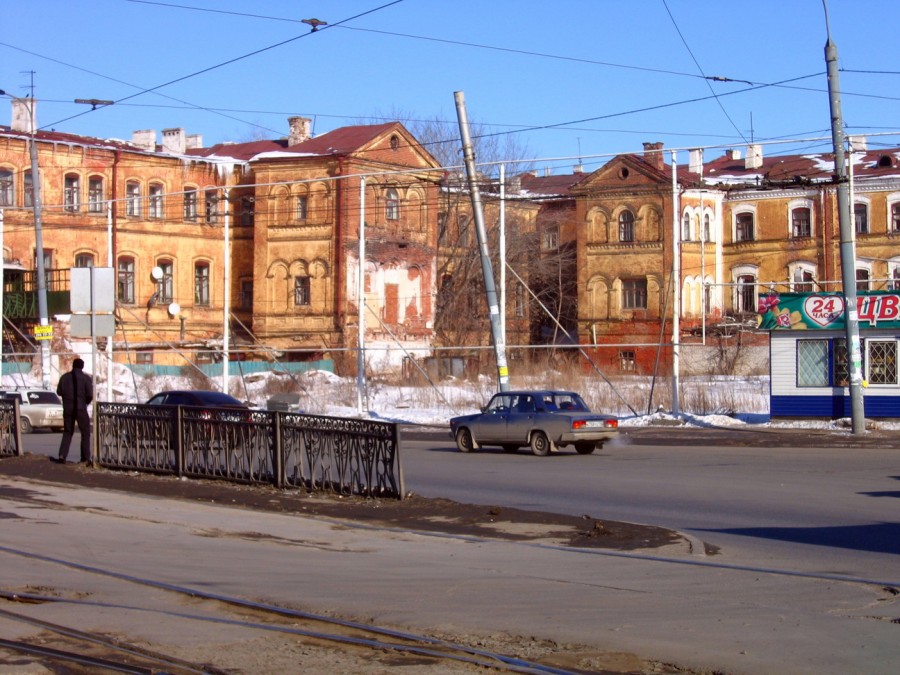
(145, 139)
(24, 115)
(653, 155)
(300, 130)
(754, 158)
(695, 160)
(193, 141)
(173, 141)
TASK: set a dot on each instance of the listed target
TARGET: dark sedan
(543, 420)
(216, 403)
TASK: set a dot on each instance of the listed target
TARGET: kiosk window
(812, 363)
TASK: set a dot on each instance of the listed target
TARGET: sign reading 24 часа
(826, 311)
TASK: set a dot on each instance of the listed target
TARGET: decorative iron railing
(287, 450)
(10, 436)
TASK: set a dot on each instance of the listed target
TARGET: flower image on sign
(825, 311)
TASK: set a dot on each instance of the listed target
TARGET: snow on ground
(709, 401)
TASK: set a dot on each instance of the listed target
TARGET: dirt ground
(413, 513)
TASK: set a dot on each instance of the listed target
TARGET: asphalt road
(805, 582)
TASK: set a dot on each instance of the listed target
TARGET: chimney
(732, 154)
(24, 115)
(144, 139)
(754, 157)
(578, 168)
(300, 130)
(194, 141)
(547, 171)
(858, 143)
(695, 160)
(653, 155)
(173, 141)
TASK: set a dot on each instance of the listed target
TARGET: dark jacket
(73, 383)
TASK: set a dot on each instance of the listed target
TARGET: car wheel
(25, 425)
(464, 440)
(585, 447)
(510, 448)
(540, 444)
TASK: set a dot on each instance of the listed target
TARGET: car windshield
(43, 397)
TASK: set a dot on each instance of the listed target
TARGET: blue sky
(564, 79)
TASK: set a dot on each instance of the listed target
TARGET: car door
(521, 419)
(490, 427)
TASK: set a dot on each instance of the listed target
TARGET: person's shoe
(58, 460)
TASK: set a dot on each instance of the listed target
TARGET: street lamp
(38, 238)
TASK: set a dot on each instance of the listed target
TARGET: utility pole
(486, 268)
(848, 236)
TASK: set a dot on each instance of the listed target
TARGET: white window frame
(736, 274)
(801, 204)
(739, 211)
(801, 266)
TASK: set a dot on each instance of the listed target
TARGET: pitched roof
(341, 141)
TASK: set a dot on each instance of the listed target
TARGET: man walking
(77, 392)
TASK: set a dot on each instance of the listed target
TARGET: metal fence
(286, 450)
(10, 436)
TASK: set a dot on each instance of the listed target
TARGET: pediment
(623, 172)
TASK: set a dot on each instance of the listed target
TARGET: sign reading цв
(825, 311)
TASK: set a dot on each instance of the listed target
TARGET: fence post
(278, 453)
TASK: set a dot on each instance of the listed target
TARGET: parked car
(38, 408)
(215, 401)
(544, 420)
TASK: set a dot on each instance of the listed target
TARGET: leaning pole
(486, 268)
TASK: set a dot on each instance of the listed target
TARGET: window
(247, 211)
(133, 199)
(125, 291)
(861, 218)
(201, 284)
(28, 185)
(801, 225)
(84, 260)
(164, 286)
(95, 194)
(626, 361)
(7, 193)
(72, 193)
(392, 205)
(841, 363)
(143, 358)
(463, 224)
(626, 226)
(211, 203)
(520, 300)
(802, 280)
(707, 228)
(881, 361)
(246, 297)
(190, 204)
(745, 294)
(895, 217)
(862, 279)
(634, 294)
(442, 227)
(302, 208)
(156, 201)
(894, 281)
(550, 239)
(301, 291)
(743, 230)
(812, 363)
(686, 227)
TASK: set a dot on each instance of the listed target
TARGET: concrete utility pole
(486, 268)
(848, 236)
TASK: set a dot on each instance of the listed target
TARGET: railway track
(58, 645)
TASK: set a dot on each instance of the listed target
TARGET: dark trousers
(70, 418)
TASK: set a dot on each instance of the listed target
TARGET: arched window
(157, 208)
(84, 260)
(125, 290)
(626, 226)
(895, 217)
(686, 227)
(201, 283)
(72, 192)
(7, 188)
(801, 222)
(95, 194)
(190, 203)
(133, 199)
(707, 228)
(391, 204)
(165, 285)
(861, 217)
(744, 226)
